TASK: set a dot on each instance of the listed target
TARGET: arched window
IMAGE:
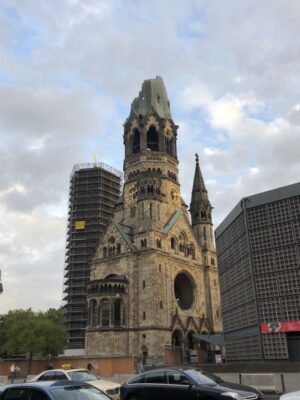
(93, 313)
(118, 248)
(191, 250)
(152, 139)
(173, 243)
(136, 141)
(104, 312)
(191, 341)
(117, 312)
(177, 338)
(182, 243)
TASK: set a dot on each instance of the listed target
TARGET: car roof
(174, 369)
(46, 384)
(65, 370)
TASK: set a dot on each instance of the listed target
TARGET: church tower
(147, 294)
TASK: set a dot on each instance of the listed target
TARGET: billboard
(288, 326)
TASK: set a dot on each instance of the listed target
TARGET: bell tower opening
(152, 139)
(136, 146)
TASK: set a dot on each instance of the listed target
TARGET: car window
(47, 376)
(38, 395)
(78, 393)
(16, 394)
(156, 377)
(203, 377)
(177, 378)
(82, 376)
(138, 379)
(59, 376)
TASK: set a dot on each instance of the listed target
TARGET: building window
(118, 248)
(132, 212)
(144, 284)
(143, 243)
(173, 243)
(104, 252)
(144, 315)
(136, 141)
(152, 139)
(117, 312)
(158, 243)
(93, 313)
(161, 305)
(105, 312)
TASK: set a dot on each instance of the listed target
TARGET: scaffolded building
(94, 191)
(258, 248)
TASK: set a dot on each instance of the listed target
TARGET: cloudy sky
(69, 70)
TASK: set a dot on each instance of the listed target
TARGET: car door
(155, 385)
(180, 387)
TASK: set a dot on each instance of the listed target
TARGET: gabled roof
(122, 232)
(174, 218)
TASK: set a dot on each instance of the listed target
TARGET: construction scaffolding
(94, 190)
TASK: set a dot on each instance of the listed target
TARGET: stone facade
(154, 280)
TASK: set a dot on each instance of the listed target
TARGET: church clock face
(131, 193)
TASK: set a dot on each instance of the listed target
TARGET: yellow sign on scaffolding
(79, 224)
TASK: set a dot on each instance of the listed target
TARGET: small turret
(200, 209)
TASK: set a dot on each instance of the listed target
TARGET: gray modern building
(94, 191)
(258, 248)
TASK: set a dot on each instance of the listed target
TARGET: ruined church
(154, 280)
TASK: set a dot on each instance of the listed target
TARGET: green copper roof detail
(123, 234)
(177, 214)
(152, 98)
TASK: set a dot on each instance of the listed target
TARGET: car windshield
(78, 393)
(82, 376)
(203, 377)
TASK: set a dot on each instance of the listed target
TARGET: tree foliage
(30, 333)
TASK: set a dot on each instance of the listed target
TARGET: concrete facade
(258, 247)
(153, 283)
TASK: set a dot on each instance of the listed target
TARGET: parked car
(290, 396)
(112, 389)
(62, 390)
(184, 384)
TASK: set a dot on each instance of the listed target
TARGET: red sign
(289, 326)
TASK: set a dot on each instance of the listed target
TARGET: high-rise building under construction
(94, 190)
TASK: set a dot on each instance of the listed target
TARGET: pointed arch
(136, 141)
(152, 139)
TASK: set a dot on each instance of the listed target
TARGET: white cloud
(66, 85)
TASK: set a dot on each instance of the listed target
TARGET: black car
(184, 384)
(62, 390)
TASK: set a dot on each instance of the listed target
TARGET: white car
(112, 389)
(290, 396)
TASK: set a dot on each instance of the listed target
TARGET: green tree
(30, 333)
